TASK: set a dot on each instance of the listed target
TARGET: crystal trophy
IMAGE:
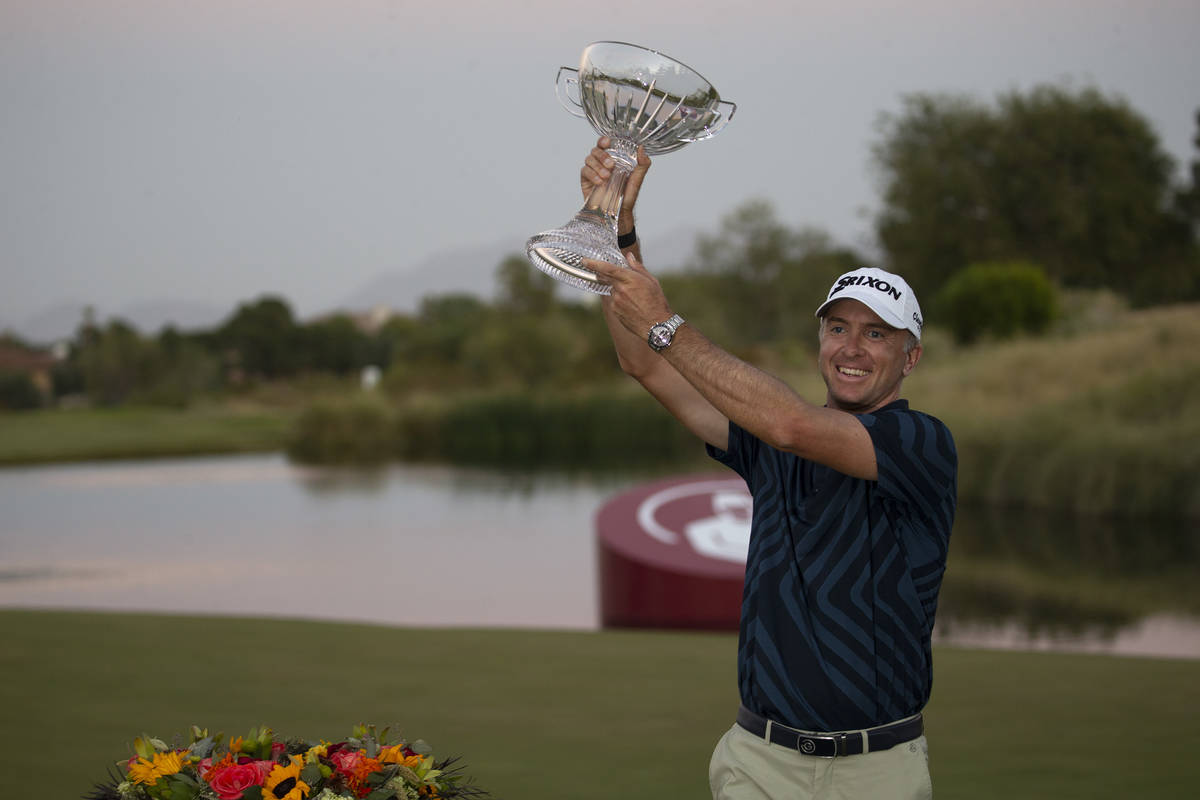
(634, 96)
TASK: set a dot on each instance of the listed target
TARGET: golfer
(853, 504)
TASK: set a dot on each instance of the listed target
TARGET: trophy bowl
(634, 96)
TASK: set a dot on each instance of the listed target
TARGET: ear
(910, 360)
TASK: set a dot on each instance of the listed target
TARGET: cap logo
(866, 280)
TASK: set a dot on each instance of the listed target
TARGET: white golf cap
(886, 294)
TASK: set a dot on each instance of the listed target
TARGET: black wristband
(627, 239)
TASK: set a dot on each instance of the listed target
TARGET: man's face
(862, 358)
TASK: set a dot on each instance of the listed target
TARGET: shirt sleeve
(916, 459)
(741, 453)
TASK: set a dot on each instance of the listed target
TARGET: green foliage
(1187, 197)
(996, 299)
(115, 364)
(523, 289)
(757, 280)
(598, 429)
(17, 392)
(1074, 181)
(335, 344)
(115, 361)
(603, 428)
(357, 431)
(262, 338)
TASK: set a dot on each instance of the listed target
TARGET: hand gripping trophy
(634, 96)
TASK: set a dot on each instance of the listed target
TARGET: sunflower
(284, 782)
(146, 771)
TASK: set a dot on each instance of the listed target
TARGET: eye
(836, 329)
(874, 334)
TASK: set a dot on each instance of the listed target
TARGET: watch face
(660, 335)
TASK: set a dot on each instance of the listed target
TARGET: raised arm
(634, 354)
(729, 388)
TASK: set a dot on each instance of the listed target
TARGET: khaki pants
(745, 767)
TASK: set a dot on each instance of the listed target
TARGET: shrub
(999, 299)
(595, 429)
(18, 392)
(358, 431)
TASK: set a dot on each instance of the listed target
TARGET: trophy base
(559, 253)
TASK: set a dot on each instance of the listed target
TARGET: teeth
(857, 373)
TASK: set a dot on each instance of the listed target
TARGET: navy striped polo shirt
(842, 575)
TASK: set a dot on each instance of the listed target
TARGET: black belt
(828, 745)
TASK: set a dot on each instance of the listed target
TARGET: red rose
(229, 782)
(346, 760)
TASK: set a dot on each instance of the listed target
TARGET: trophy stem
(606, 198)
(592, 233)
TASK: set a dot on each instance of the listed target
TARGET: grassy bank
(33, 437)
(553, 714)
(1103, 421)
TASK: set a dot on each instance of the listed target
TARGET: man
(853, 505)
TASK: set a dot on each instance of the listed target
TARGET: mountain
(469, 269)
(473, 270)
(148, 316)
(465, 269)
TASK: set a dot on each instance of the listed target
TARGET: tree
(116, 362)
(524, 288)
(759, 278)
(263, 338)
(1187, 198)
(1074, 181)
(18, 392)
(335, 344)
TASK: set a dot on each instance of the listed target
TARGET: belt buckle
(807, 745)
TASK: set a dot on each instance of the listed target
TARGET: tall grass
(612, 428)
(1105, 422)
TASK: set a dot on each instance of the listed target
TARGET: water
(425, 546)
(256, 535)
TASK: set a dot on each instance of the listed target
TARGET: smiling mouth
(853, 373)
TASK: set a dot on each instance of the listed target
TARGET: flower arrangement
(261, 766)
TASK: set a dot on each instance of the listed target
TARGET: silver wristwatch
(661, 334)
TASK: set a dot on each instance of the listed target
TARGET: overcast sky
(216, 150)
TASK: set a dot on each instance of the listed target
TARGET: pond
(438, 546)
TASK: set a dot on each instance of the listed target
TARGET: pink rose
(229, 782)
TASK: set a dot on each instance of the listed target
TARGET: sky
(212, 151)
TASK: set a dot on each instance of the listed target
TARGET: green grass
(138, 432)
(556, 714)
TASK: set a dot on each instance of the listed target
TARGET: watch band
(663, 333)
